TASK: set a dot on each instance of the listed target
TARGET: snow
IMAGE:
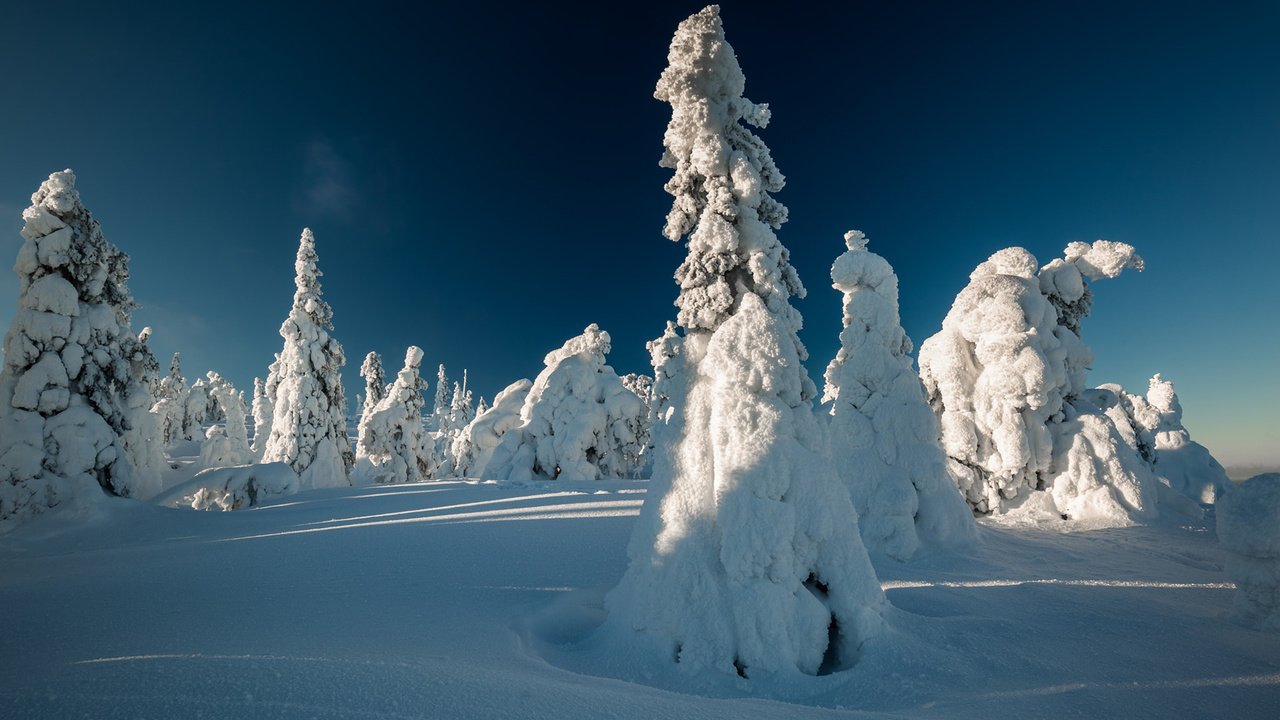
(393, 445)
(470, 600)
(883, 435)
(1249, 529)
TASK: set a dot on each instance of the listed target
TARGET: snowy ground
(457, 600)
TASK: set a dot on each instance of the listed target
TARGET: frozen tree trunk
(73, 384)
(883, 435)
(308, 427)
(747, 558)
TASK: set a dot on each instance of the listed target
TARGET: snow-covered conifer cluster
(393, 445)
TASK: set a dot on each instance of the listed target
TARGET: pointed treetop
(855, 240)
(306, 298)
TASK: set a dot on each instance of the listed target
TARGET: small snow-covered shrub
(1249, 530)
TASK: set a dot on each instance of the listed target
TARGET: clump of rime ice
(69, 393)
(746, 559)
(883, 435)
(1248, 517)
(578, 421)
(308, 426)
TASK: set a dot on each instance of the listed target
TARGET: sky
(483, 178)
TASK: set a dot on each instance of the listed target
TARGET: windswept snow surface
(464, 600)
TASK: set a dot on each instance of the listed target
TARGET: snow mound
(1249, 530)
(232, 488)
(883, 435)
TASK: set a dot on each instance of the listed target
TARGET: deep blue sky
(483, 181)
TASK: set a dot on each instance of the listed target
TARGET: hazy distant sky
(483, 182)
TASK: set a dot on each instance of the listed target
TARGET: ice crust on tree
(393, 445)
(1248, 518)
(746, 559)
(73, 388)
(883, 434)
(1004, 372)
(308, 426)
(578, 421)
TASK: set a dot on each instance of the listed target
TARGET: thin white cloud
(327, 189)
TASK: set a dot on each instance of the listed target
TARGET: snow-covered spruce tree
(578, 421)
(143, 438)
(747, 557)
(1007, 364)
(642, 387)
(392, 441)
(171, 402)
(308, 426)
(67, 384)
(478, 441)
(227, 444)
(1186, 465)
(375, 383)
(883, 435)
(440, 410)
(195, 410)
(263, 409)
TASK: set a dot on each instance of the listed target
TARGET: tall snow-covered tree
(392, 438)
(195, 410)
(263, 410)
(308, 427)
(68, 382)
(747, 557)
(440, 410)
(171, 402)
(1007, 365)
(883, 434)
(230, 445)
(375, 382)
(578, 421)
(143, 438)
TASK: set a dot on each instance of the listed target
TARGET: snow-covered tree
(263, 409)
(478, 441)
(375, 382)
(171, 402)
(481, 407)
(308, 427)
(441, 409)
(1186, 465)
(746, 558)
(883, 435)
(392, 441)
(195, 410)
(1007, 363)
(578, 421)
(143, 438)
(67, 388)
(227, 444)
(461, 410)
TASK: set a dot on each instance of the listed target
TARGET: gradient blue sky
(482, 179)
